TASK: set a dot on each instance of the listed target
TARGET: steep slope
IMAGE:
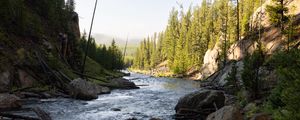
(271, 40)
(39, 48)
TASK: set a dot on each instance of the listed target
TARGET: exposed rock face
(218, 79)
(210, 63)
(271, 37)
(226, 113)
(122, 83)
(199, 104)
(9, 101)
(82, 89)
(75, 25)
(4, 81)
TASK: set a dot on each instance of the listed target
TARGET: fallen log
(42, 114)
(65, 76)
(139, 78)
(142, 85)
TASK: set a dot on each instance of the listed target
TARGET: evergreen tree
(190, 34)
(70, 5)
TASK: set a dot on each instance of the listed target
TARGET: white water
(157, 100)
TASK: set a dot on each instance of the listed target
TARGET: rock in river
(226, 113)
(198, 105)
(9, 101)
(122, 83)
(84, 90)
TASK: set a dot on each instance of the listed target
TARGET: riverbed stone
(199, 104)
(122, 83)
(82, 89)
(116, 109)
(226, 113)
(9, 101)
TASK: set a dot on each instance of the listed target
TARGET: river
(156, 99)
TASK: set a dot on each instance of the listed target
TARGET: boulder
(4, 81)
(9, 101)
(82, 89)
(261, 116)
(122, 83)
(102, 90)
(116, 109)
(199, 104)
(226, 113)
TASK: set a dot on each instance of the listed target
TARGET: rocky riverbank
(77, 89)
(215, 105)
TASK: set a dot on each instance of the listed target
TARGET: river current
(156, 98)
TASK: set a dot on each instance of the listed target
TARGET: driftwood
(142, 85)
(42, 114)
(60, 83)
(139, 78)
(65, 76)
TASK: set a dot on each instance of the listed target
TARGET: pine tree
(70, 5)
(171, 36)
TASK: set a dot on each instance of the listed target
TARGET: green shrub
(250, 76)
(284, 100)
(232, 86)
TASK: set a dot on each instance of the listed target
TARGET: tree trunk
(238, 21)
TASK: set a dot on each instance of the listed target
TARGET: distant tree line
(190, 34)
(110, 57)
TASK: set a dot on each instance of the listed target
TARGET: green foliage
(277, 12)
(110, 58)
(250, 74)
(70, 5)
(232, 85)
(241, 98)
(190, 34)
(283, 102)
(55, 63)
(23, 17)
(253, 109)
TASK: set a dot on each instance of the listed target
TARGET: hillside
(107, 39)
(41, 56)
(270, 39)
(204, 55)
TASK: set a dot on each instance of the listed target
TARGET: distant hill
(107, 39)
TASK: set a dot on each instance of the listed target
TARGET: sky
(135, 18)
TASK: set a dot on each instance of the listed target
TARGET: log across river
(156, 98)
